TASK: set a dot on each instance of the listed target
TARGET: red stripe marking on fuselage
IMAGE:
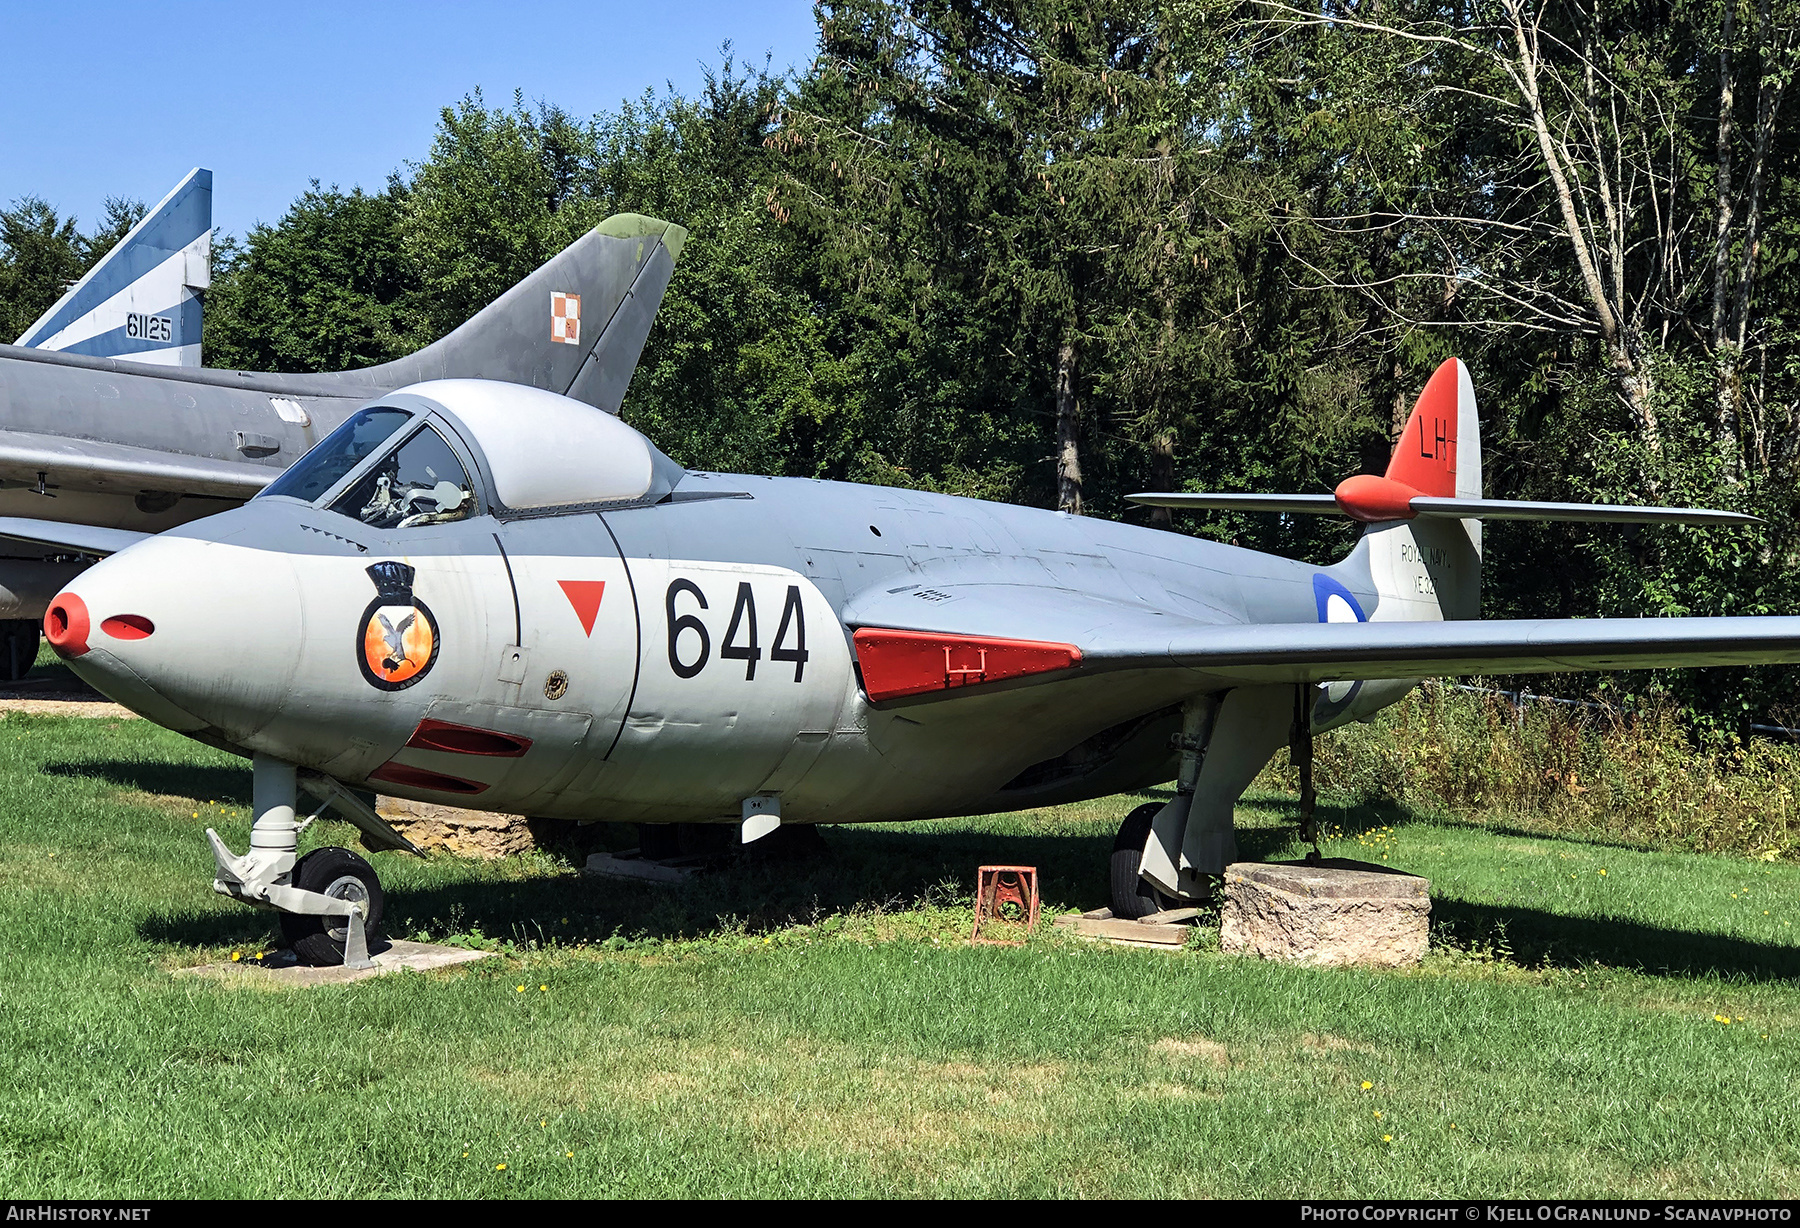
(467, 740)
(424, 778)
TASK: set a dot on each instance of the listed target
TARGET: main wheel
(342, 875)
(1132, 897)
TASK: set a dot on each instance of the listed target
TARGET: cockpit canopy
(396, 464)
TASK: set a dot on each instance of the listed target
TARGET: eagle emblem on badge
(399, 638)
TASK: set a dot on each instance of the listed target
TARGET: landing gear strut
(329, 904)
(1300, 754)
(18, 647)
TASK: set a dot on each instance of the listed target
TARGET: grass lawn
(822, 1028)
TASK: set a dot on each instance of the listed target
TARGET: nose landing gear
(337, 874)
(326, 886)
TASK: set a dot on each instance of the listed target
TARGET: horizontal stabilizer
(1319, 505)
(1525, 509)
(1314, 505)
(79, 538)
(1376, 500)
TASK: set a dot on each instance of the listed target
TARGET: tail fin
(142, 300)
(575, 326)
(1427, 568)
(1422, 549)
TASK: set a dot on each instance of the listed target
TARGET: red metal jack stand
(998, 885)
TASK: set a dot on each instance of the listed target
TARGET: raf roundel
(398, 641)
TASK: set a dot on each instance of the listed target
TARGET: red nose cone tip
(128, 627)
(66, 625)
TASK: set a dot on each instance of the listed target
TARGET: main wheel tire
(1132, 897)
(343, 875)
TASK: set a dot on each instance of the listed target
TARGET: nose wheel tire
(1132, 897)
(343, 875)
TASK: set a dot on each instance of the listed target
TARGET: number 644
(741, 642)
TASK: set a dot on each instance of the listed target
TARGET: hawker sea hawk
(499, 597)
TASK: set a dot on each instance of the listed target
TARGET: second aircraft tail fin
(575, 326)
(142, 300)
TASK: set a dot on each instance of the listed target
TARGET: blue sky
(121, 99)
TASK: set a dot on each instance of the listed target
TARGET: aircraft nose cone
(66, 625)
(189, 633)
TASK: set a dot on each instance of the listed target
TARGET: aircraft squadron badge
(399, 638)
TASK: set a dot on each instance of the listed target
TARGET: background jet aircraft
(495, 596)
(142, 301)
(109, 443)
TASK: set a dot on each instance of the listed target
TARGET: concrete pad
(397, 956)
(1326, 914)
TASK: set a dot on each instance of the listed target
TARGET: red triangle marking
(584, 595)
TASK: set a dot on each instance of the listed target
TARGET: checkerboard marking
(565, 317)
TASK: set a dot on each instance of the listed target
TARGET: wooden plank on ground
(1169, 916)
(1114, 930)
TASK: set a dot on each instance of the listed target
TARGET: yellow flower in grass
(1387, 1138)
(499, 1168)
(518, 989)
(1367, 1085)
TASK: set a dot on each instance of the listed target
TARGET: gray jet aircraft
(499, 597)
(95, 444)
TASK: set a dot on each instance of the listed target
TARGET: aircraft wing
(91, 464)
(991, 634)
(80, 538)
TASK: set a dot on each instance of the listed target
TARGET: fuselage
(657, 662)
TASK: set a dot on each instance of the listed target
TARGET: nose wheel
(329, 900)
(337, 874)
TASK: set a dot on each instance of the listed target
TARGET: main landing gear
(1174, 853)
(1132, 896)
(1300, 755)
(329, 900)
